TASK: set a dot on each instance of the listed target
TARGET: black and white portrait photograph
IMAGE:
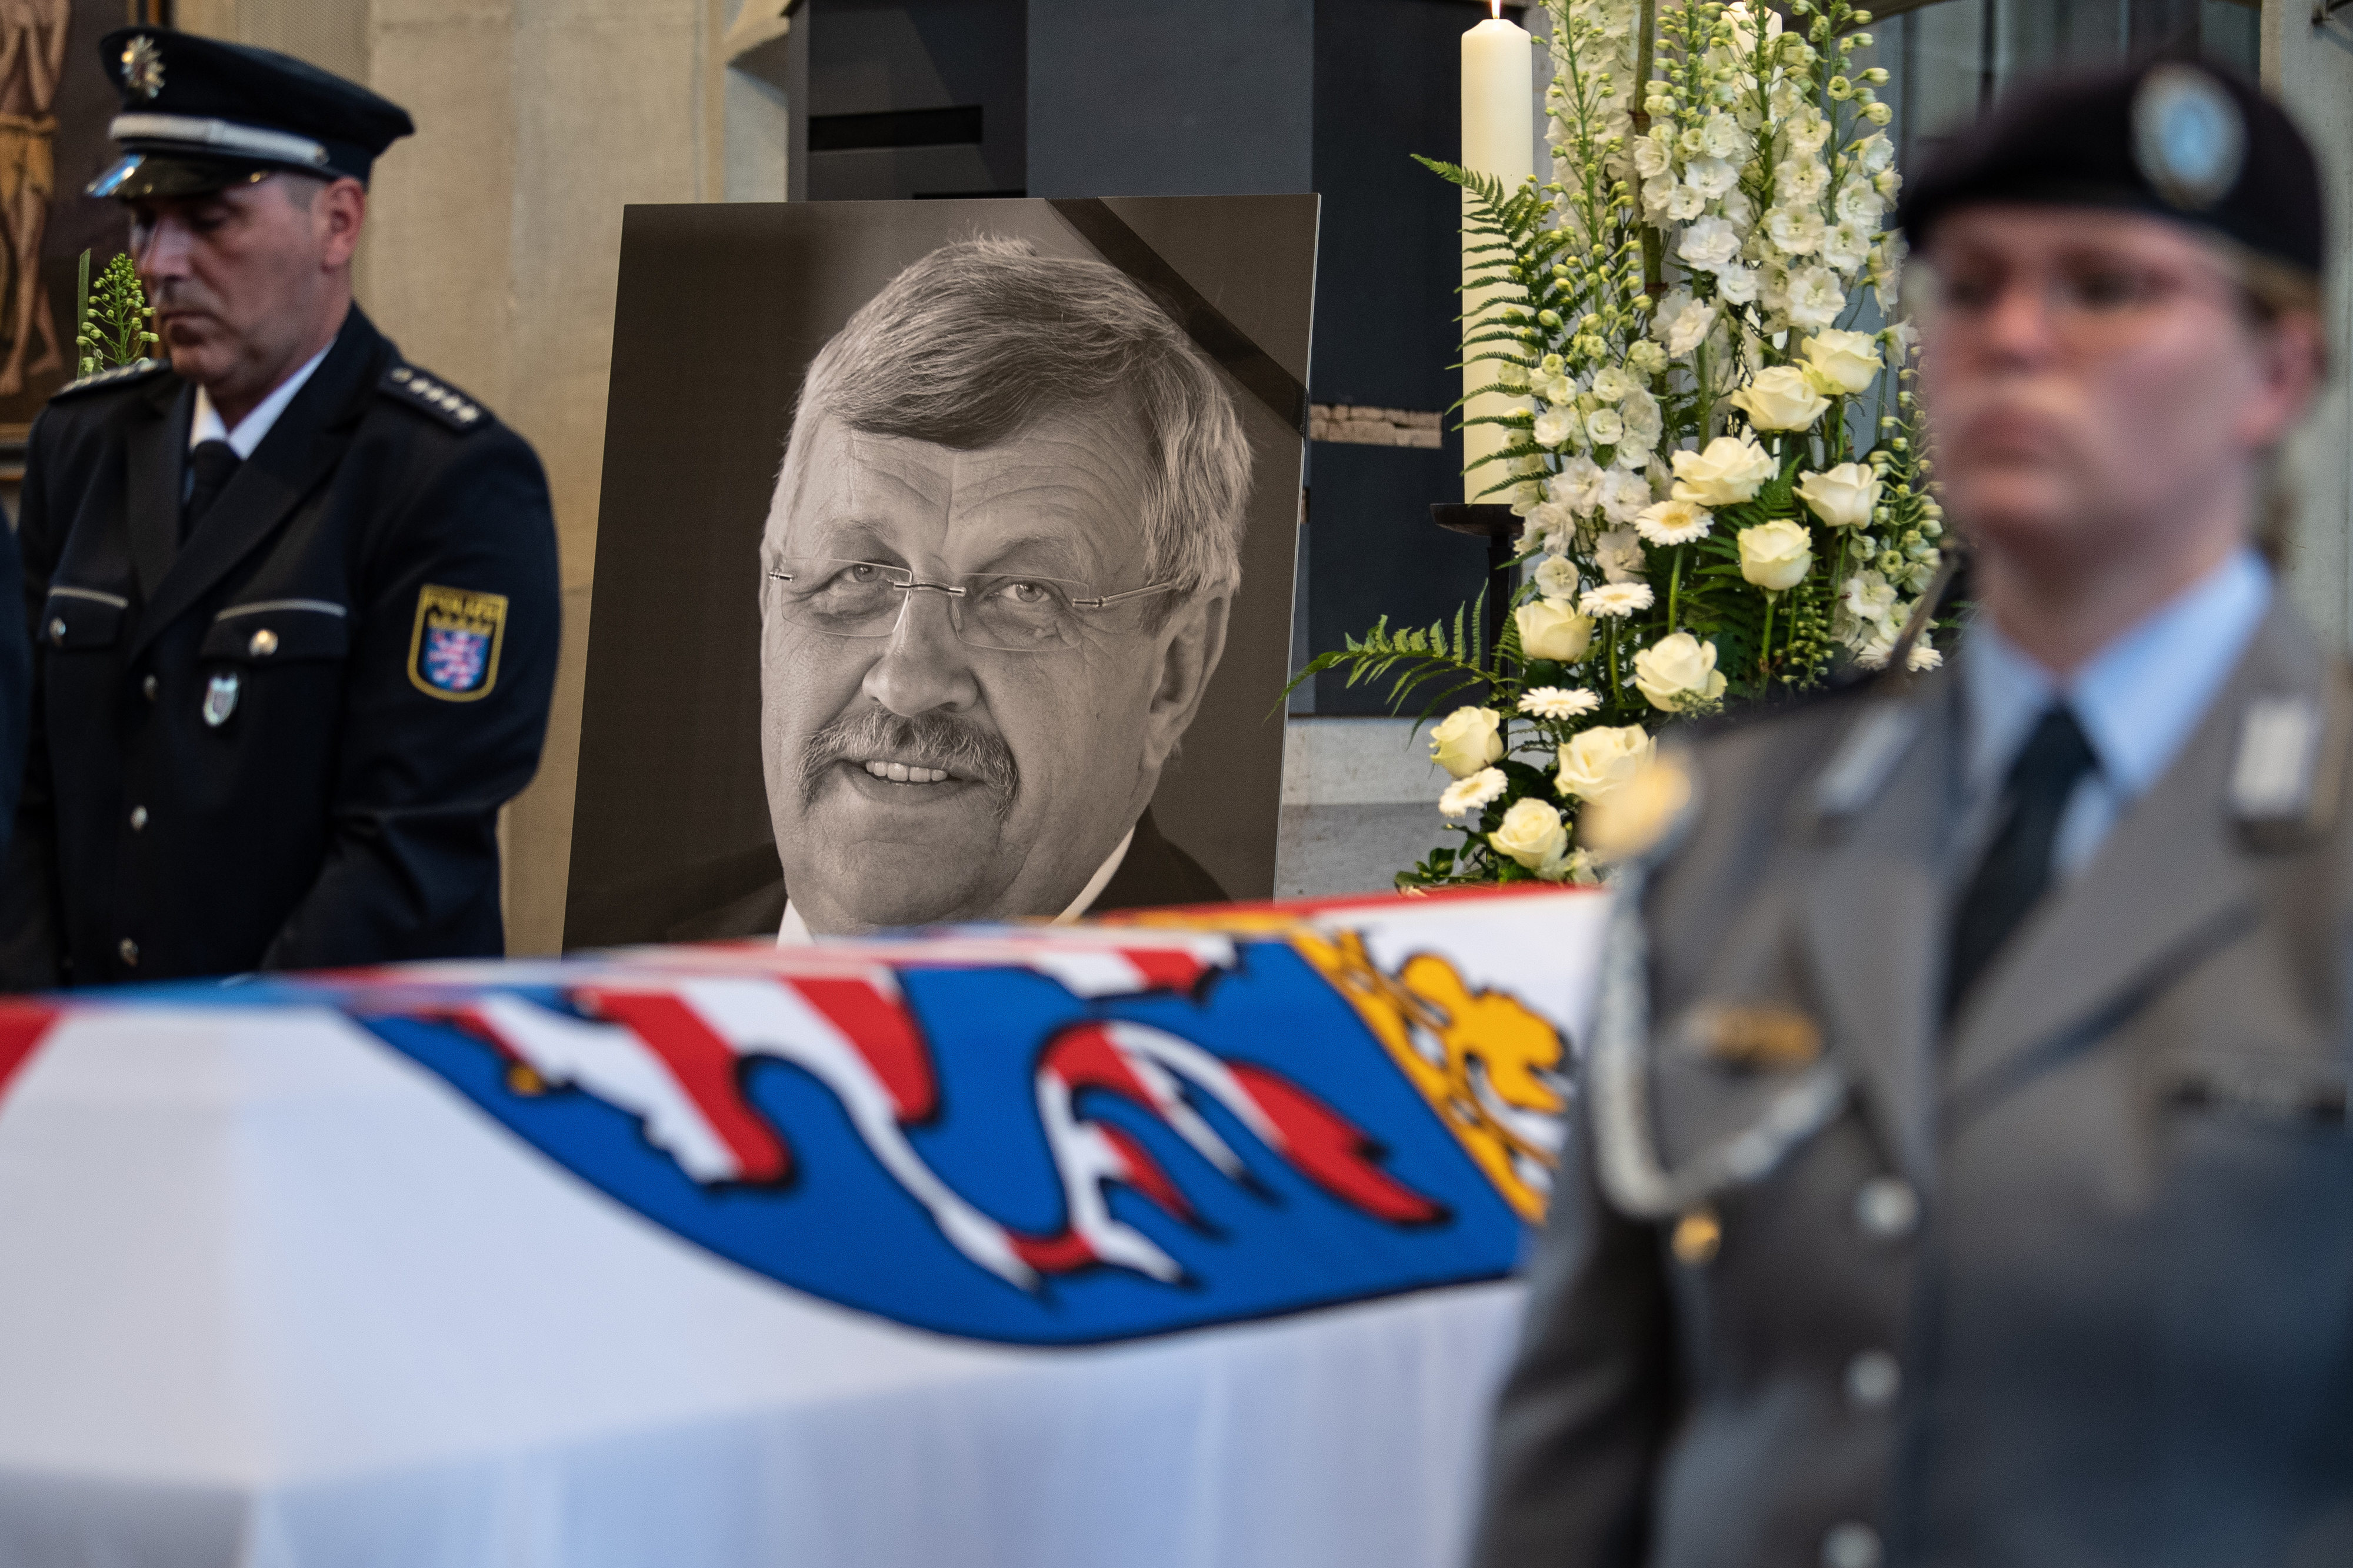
(943, 570)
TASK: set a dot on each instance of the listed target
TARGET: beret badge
(142, 67)
(2188, 136)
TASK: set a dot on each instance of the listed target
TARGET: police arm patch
(453, 651)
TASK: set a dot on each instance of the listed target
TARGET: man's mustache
(932, 740)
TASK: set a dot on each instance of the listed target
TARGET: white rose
(1779, 398)
(1552, 426)
(1843, 362)
(1603, 427)
(1672, 522)
(1815, 297)
(1556, 577)
(1677, 671)
(1732, 470)
(1551, 628)
(1842, 497)
(1775, 555)
(1466, 741)
(1534, 835)
(1595, 762)
(1709, 243)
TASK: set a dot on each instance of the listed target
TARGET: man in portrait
(994, 582)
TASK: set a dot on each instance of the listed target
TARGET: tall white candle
(1499, 139)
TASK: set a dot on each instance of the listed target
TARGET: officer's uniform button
(129, 952)
(137, 817)
(57, 631)
(1886, 1208)
(264, 643)
(1873, 1380)
(1851, 1545)
(149, 686)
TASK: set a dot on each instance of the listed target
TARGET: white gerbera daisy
(1614, 600)
(1464, 796)
(1557, 702)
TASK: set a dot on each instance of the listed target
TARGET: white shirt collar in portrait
(795, 932)
(208, 426)
(2137, 700)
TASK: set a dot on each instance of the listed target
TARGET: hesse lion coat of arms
(453, 654)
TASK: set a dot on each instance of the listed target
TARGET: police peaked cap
(199, 114)
(2195, 143)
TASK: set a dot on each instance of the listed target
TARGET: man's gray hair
(979, 339)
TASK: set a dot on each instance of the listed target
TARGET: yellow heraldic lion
(1482, 1058)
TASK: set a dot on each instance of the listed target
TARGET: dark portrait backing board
(720, 309)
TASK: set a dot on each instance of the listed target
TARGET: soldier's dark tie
(210, 468)
(2016, 870)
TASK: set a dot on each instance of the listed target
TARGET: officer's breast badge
(453, 653)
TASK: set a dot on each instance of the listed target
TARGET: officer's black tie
(210, 468)
(2016, 871)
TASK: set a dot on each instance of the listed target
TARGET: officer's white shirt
(2138, 700)
(795, 932)
(208, 426)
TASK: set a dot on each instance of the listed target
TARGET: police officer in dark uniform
(1962, 1174)
(293, 599)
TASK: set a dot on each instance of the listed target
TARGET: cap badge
(142, 67)
(2188, 137)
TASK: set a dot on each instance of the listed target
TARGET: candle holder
(1500, 528)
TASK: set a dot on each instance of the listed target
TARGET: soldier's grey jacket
(2070, 1284)
(284, 743)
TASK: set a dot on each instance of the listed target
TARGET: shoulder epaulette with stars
(120, 376)
(406, 384)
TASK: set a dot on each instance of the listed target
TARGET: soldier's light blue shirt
(2138, 700)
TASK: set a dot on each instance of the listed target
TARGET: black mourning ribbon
(210, 468)
(2016, 871)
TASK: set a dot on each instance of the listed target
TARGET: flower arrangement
(110, 323)
(1678, 317)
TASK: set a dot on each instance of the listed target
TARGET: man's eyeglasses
(1011, 612)
(2095, 305)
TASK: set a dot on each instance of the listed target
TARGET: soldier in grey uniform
(1961, 1174)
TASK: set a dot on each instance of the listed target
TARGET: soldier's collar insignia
(1752, 1037)
(142, 67)
(453, 650)
(2188, 137)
